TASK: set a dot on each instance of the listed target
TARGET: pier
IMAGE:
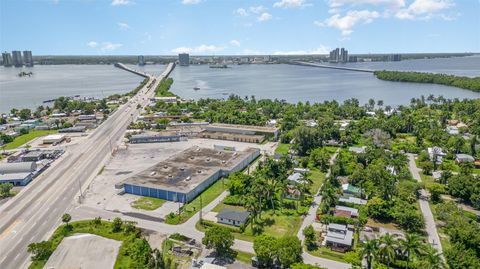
(126, 68)
(333, 67)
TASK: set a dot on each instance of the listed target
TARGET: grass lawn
(386, 225)
(282, 222)
(147, 203)
(206, 197)
(317, 178)
(327, 253)
(22, 139)
(282, 148)
(244, 257)
(86, 226)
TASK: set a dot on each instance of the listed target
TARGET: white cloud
(320, 50)
(347, 22)
(289, 3)
(387, 3)
(120, 2)
(191, 2)
(251, 52)
(257, 9)
(425, 9)
(109, 46)
(235, 43)
(241, 12)
(198, 49)
(123, 26)
(92, 44)
(265, 16)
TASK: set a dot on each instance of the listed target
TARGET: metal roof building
(183, 176)
(18, 174)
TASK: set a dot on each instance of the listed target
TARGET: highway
(34, 213)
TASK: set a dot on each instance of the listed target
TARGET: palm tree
(388, 246)
(432, 259)
(411, 245)
(369, 251)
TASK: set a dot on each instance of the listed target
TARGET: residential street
(430, 226)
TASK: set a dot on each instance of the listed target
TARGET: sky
(227, 27)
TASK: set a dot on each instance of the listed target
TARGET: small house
(357, 150)
(464, 158)
(350, 189)
(339, 236)
(345, 211)
(232, 217)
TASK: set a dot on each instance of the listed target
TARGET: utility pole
(200, 208)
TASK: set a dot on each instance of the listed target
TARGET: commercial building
(185, 175)
(18, 174)
(165, 99)
(145, 138)
(7, 59)
(394, 57)
(141, 60)
(28, 58)
(53, 138)
(271, 132)
(17, 58)
(184, 59)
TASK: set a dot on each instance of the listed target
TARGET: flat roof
(14, 176)
(186, 170)
(245, 127)
(54, 136)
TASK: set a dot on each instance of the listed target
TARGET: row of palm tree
(388, 248)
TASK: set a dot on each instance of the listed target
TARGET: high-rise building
(395, 57)
(339, 55)
(184, 59)
(141, 60)
(17, 58)
(28, 58)
(7, 59)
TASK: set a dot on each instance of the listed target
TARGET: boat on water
(196, 88)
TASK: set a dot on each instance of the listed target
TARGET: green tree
(368, 251)
(320, 158)
(431, 259)
(436, 189)
(25, 114)
(219, 238)
(289, 250)
(117, 225)
(411, 246)
(388, 246)
(460, 257)
(309, 234)
(41, 250)
(66, 218)
(5, 189)
(266, 248)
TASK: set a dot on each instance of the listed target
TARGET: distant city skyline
(216, 27)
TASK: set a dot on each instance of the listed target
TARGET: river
(290, 82)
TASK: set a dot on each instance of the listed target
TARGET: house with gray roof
(339, 236)
(232, 217)
(464, 158)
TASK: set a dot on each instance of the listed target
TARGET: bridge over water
(131, 70)
(333, 67)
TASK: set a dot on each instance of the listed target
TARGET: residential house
(464, 158)
(345, 211)
(352, 200)
(357, 150)
(436, 152)
(232, 217)
(339, 236)
(351, 190)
